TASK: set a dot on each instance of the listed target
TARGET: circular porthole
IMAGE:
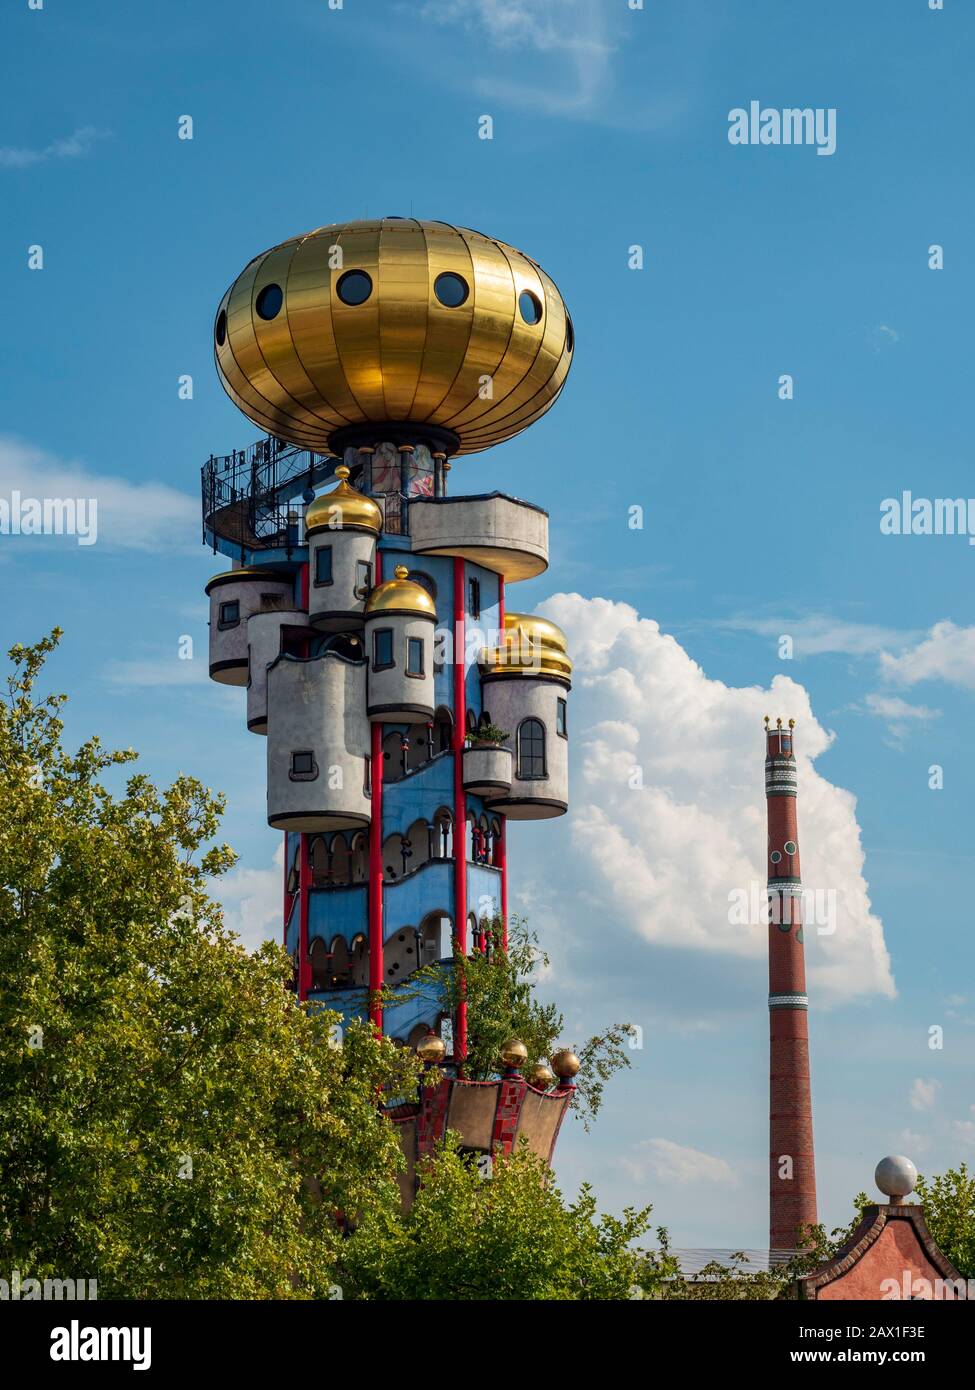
(450, 289)
(220, 332)
(530, 307)
(269, 301)
(790, 847)
(354, 287)
(570, 337)
(775, 856)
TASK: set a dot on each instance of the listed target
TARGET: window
(382, 648)
(414, 656)
(561, 719)
(450, 289)
(367, 776)
(303, 767)
(220, 332)
(269, 301)
(229, 614)
(354, 287)
(530, 306)
(363, 578)
(475, 598)
(323, 564)
(531, 749)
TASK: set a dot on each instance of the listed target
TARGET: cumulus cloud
(668, 1162)
(133, 516)
(669, 802)
(947, 654)
(899, 715)
(817, 633)
(252, 901)
(924, 1094)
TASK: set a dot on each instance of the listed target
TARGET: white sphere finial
(895, 1176)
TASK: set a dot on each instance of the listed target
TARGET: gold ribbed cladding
(400, 356)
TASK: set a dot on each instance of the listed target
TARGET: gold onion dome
(393, 321)
(343, 509)
(401, 594)
(532, 645)
(565, 1064)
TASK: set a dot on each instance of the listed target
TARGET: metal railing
(248, 494)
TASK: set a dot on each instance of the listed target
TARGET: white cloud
(78, 143)
(947, 654)
(574, 31)
(132, 516)
(911, 1143)
(898, 715)
(252, 901)
(924, 1094)
(661, 861)
(819, 633)
(668, 1162)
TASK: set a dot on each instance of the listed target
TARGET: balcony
(498, 532)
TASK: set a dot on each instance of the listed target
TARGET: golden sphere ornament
(514, 1053)
(431, 1049)
(565, 1064)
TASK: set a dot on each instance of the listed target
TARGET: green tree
(949, 1211)
(500, 989)
(510, 1236)
(172, 1122)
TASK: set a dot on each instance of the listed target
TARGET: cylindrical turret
(265, 636)
(318, 743)
(234, 596)
(341, 527)
(792, 1175)
(525, 683)
(400, 621)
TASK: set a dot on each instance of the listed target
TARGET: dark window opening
(561, 719)
(363, 578)
(530, 307)
(475, 598)
(531, 749)
(229, 614)
(450, 289)
(303, 765)
(354, 287)
(323, 564)
(382, 648)
(414, 656)
(269, 301)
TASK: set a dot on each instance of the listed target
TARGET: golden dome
(343, 508)
(532, 645)
(400, 594)
(404, 329)
(565, 1064)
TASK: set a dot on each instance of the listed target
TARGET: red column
(287, 895)
(460, 799)
(304, 883)
(376, 965)
(792, 1171)
(503, 819)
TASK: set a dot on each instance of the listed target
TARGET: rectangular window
(367, 776)
(363, 578)
(561, 719)
(475, 598)
(303, 763)
(323, 564)
(229, 614)
(382, 648)
(414, 656)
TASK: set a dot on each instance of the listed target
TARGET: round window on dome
(269, 301)
(790, 846)
(776, 856)
(570, 337)
(451, 289)
(354, 287)
(220, 332)
(530, 306)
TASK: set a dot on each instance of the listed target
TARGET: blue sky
(762, 516)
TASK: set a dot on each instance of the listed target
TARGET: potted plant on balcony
(487, 736)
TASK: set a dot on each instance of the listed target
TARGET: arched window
(360, 857)
(394, 861)
(443, 728)
(531, 749)
(471, 721)
(419, 836)
(496, 842)
(341, 966)
(318, 857)
(435, 938)
(393, 756)
(340, 864)
(320, 971)
(360, 961)
(443, 824)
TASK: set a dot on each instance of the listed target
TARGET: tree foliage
(949, 1211)
(512, 1236)
(172, 1122)
(500, 989)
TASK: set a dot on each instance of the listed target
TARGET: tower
(409, 714)
(792, 1174)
